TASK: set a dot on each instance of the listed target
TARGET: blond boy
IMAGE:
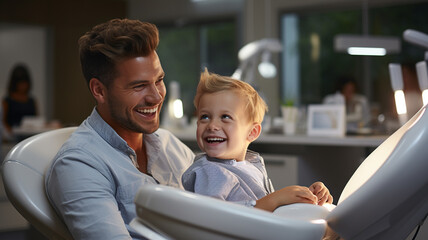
(230, 113)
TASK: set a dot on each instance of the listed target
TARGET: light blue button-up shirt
(93, 179)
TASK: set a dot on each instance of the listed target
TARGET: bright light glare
(178, 108)
(400, 102)
(425, 96)
(267, 69)
(237, 74)
(367, 51)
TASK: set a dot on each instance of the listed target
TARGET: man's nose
(154, 95)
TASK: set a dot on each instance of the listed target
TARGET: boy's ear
(255, 131)
(98, 90)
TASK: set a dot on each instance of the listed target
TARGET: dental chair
(386, 198)
(23, 176)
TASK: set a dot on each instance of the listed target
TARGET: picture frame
(326, 120)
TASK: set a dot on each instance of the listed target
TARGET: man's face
(134, 98)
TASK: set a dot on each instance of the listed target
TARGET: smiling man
(119, 147)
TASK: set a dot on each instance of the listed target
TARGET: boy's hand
(296, 194)
(322, 193)
(287, 195)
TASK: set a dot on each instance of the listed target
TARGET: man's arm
(85, 200)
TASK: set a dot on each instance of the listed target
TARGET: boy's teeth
(215, 139)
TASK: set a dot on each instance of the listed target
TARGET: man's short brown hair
(111, 42)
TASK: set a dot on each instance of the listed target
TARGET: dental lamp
(174, 114)
(251, 54)
(396, 76)
(422, 73)
(420, 39)
(417, 38)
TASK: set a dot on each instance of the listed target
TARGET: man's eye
(225, 116)
(159, 81)
(139, 87)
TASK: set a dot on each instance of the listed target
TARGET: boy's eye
(203, 117)
(225, 116)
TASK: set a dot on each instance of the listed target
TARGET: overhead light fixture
(367, 51)
(366, 45)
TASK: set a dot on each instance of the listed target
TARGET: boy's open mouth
(215, 139)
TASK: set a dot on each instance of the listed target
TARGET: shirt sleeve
(85, 199)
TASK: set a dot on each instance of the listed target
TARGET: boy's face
(223, 125)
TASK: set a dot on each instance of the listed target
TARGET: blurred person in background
(18, 101)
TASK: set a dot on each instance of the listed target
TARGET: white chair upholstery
(23, 176)
(177, 214)
(386, 198)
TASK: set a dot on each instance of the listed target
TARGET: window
(185, 52)
(311, 66)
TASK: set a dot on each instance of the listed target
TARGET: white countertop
(268, 138)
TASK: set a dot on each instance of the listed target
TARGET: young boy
(229, 114)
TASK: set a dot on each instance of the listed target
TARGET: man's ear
(255, 131)
(98, 90)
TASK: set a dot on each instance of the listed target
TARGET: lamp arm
(416, 37)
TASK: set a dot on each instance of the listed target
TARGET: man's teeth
(152, 110)
(215, 139)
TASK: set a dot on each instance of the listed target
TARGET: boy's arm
(287, 195)
(317, 193)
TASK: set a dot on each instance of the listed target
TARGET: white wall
(25, 44)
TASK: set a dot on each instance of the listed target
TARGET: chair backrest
(387, 197)
(23, 175)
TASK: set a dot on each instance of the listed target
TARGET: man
(118, 148)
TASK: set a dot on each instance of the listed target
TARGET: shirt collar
(250, 156)
(108, 133)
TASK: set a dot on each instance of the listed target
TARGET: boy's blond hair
(212, 83)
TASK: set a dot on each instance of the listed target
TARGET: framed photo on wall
(326, 120)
